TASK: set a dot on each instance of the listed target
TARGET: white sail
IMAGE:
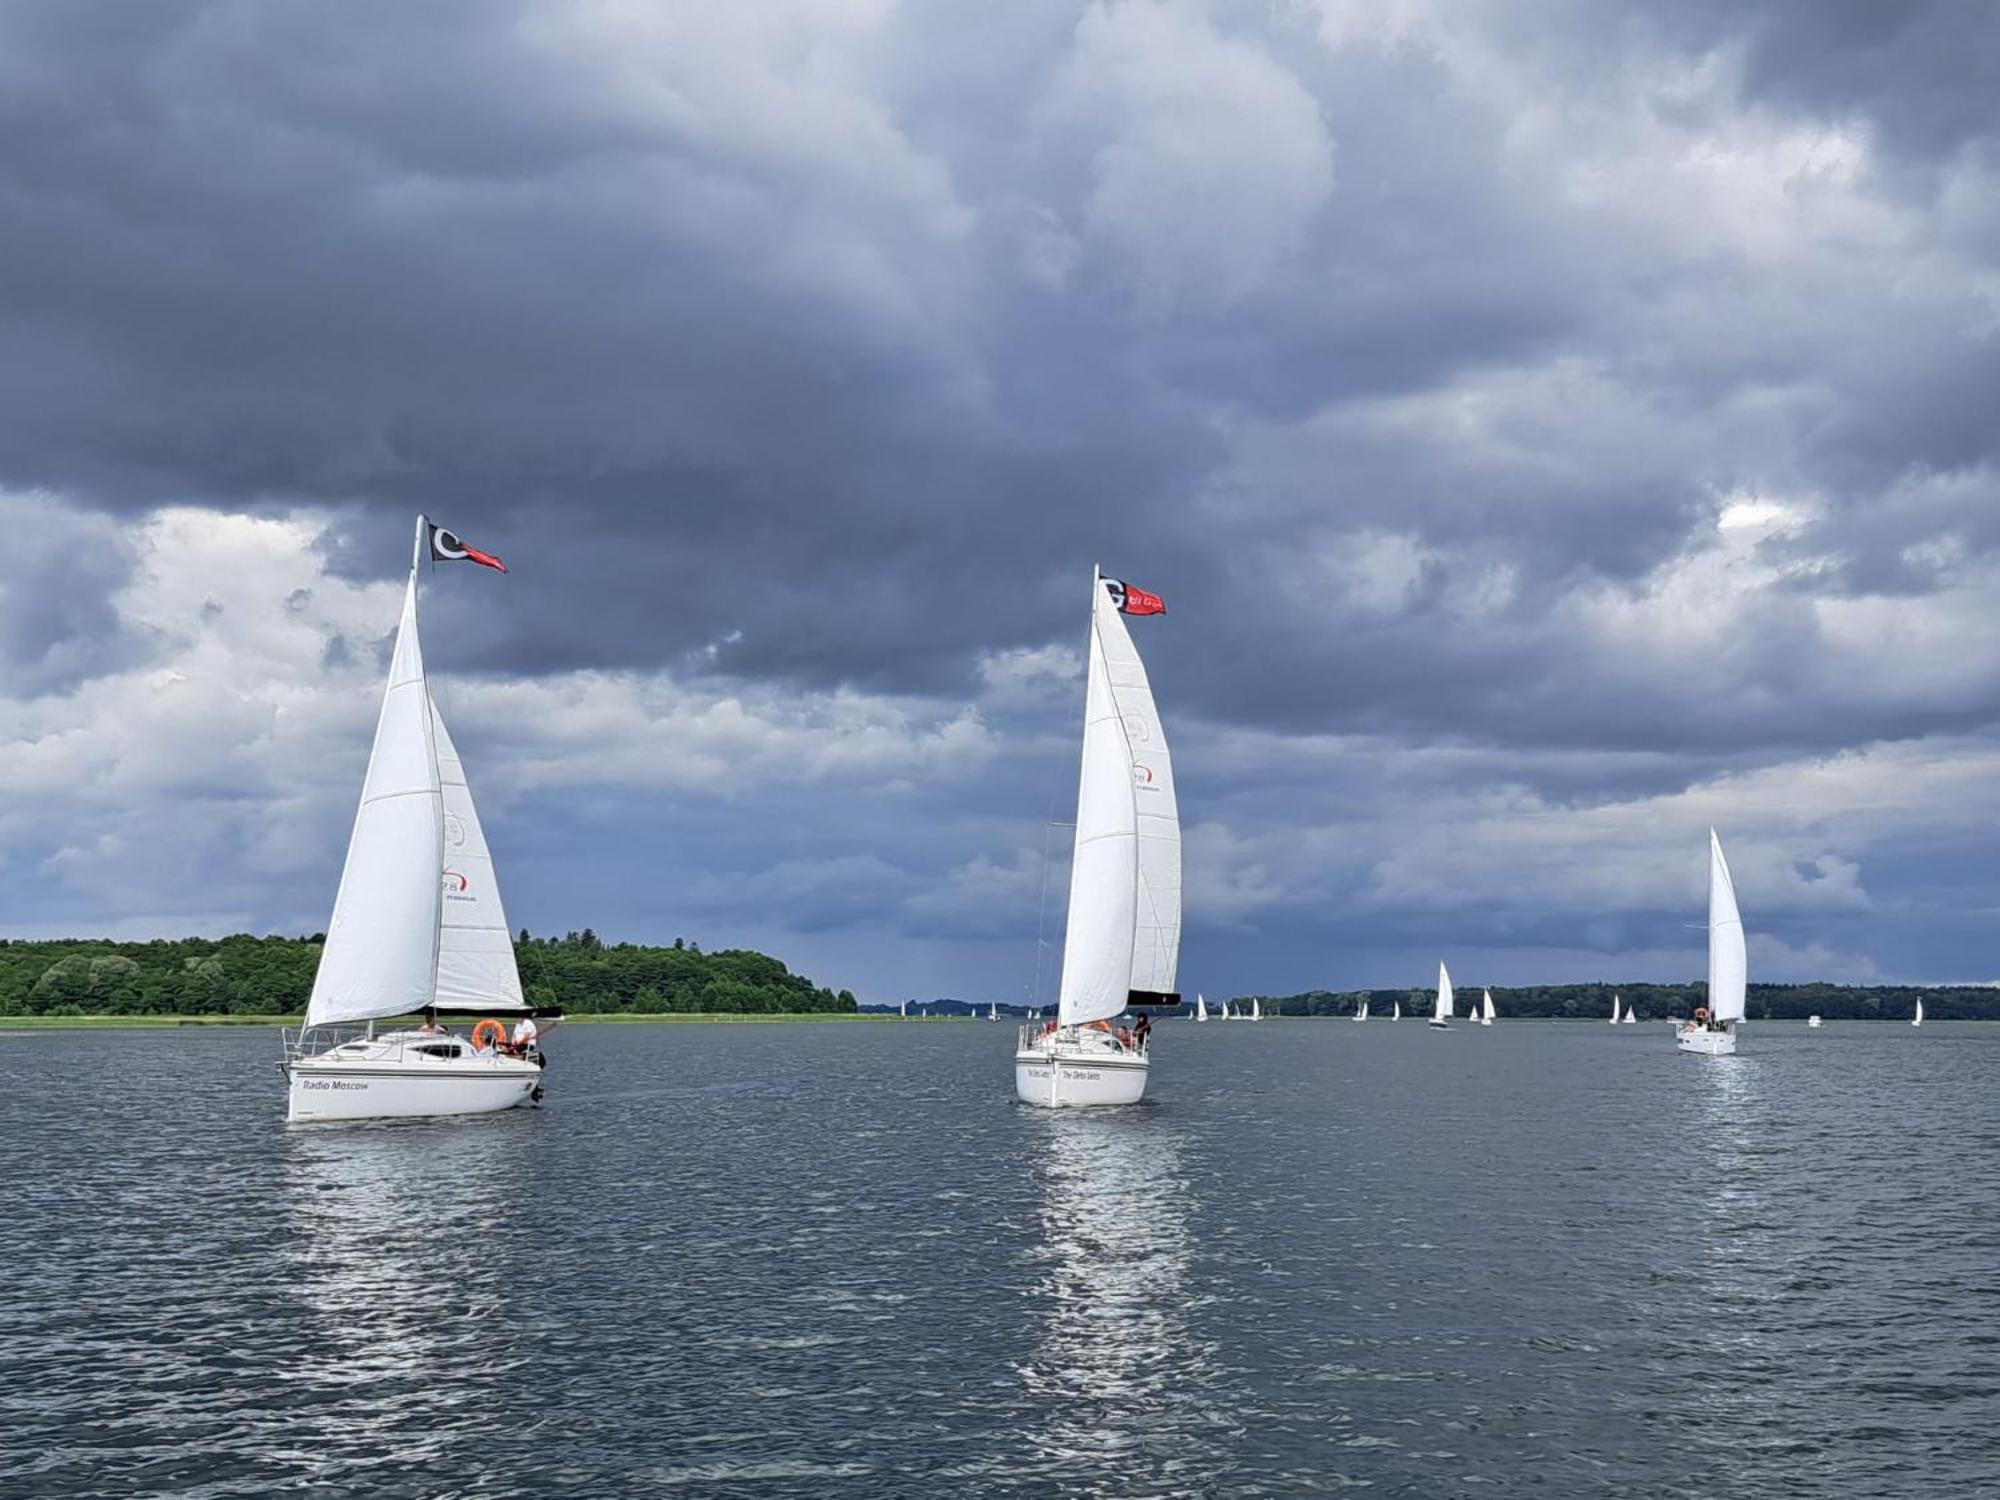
(1256, 1009)
(382, 942)
(1362, 1014)
(1614, 1010)
(1631, 1016)
(1487, 1013)
(1395, 1010)
(1919, 1019)
(475, 956)
(1442, 1010)
(1200, 1007)
(1125, 877)
(1728, 964)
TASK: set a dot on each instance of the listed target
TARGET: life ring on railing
(488, 1035)
(1701, 1012)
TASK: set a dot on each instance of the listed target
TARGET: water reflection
(1115, 1369)
(398, 1232)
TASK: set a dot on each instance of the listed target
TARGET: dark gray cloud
(1415, 355)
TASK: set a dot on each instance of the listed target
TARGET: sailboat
(1395, 1010)
(1256, 1009)
(1631, 1016)
(992, 1010)
(1918, 1019)
(1441, 1011)
(1361, 1011)
(1812, 1023)
(1614, 1010)
(1486, 1008)
(1712, 1031)
(1121, 948)
(1200, 1007)
(417, 925)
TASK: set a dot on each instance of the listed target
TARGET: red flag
(1134, 601)
(446, 547)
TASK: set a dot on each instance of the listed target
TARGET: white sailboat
(1395, 1010)
(1614, 1010)
(1361, 1012)
(1712, 1031)
(1631, 1016)
(903, 1011)
(417, 927)
(1918, 1019)
(1441, 1011)
(992, 1010)
(1486, 1008)
(1200, 1007)
(1812, 1023)
(1256, 1009)
(1122, 944)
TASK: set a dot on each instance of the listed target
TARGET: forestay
(382, 942)
(1728, 965)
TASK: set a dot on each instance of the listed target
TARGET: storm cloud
(1554, 429)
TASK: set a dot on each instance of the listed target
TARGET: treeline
(246, 975)
(1578, 1002)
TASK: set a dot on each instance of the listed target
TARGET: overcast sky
(1554, 429)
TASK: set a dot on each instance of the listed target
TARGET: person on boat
(1140, 1032)
(430, 1026)
(525, 1032)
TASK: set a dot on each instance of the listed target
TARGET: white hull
(393, 1078)
(1077, 1070)
(1708, 1043)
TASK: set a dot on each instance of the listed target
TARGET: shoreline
(20, 1024)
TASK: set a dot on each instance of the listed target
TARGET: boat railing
(1035, 1033)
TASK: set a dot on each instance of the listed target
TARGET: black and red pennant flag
(1134, 601)
(446, 547)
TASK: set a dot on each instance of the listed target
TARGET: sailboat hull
(1708, 1043)
(1079, 1071)
(392, 1079)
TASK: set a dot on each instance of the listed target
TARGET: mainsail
(1442, 1010)
(1487, 1013)
(1123, 939)
(1728, 965)
(475, 961)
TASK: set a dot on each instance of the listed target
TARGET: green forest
(1767, 1002)
(247, 975)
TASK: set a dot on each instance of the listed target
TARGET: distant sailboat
(1256, 1009)
(1441, 1010)
(1712, 1031)
(417, 925)
(1631, 1016)
(993, 1010)
(1812, 1023)
(1614, 1010)
(1122, 945)
(1200, 1007)
(903, 1010)
(1486, 1008)
(1918, 1019)
(1395, 1010)
(1361, 1013)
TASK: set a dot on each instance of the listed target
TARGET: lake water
(839, 1260)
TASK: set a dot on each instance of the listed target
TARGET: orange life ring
(489, 1033)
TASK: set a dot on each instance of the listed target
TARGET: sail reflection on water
(1116, 1368)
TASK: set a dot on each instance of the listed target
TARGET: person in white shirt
(525, 1032)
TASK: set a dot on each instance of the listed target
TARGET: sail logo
(1142, 775)
(454, 831)
(456, 886)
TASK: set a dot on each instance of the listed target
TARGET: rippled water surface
(839, 1260)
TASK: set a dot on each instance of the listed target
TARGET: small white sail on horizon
(1256, 1009)
(1361, 1013)
(1486, 1008)
(1614, 1010)
(1200, 1007)
(1918, 1019)
(1395, 1010)
(1441, 1008)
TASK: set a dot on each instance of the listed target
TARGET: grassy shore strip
(94, 1023)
